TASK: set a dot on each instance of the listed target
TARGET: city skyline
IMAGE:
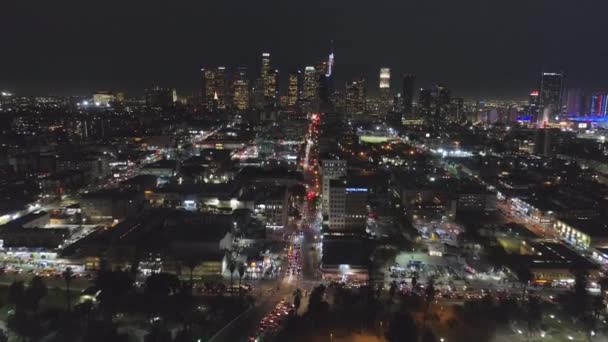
(61, 49)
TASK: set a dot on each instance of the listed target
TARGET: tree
(113, 286)
(68, 275)
(162, 284)
(429, 294)
(34, 293)
(3, 336)
(580, 297)
(392, 289)
(428, 336)
(16, 294)
(231, 267)
(414, 283)
(297, 299)
(534, 313)
(191, 262)
(317, 307)
(402, 328)
(525, 277)
(429, 291)
(241, 270)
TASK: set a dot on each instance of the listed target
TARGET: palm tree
(297, 299)
(231, 267)
(191, 263)
(68, 275)
(241, 270)
(525, 277)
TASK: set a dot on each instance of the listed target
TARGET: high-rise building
(385, 78)
(407, 93)
(356, 97)
(266, 75)
(240, 89)
(293, 88)
(214, 87)
(435, 106)
(310, 83)
(551, 84)
(347, 206)
(270, 91)
(384, 91)
(425, 101)
(574, 102)
(330, 169)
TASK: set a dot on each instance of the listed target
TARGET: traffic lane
(247, 323)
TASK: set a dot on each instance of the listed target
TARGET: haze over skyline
(477, 48)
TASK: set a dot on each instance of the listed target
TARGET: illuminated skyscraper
(550, 96)
(355, 97)
(293, 88)
(240, 89)
(385, 78)
(310, 83)
(265, 72)
(214, 87)
(270, 91)
(384, 93)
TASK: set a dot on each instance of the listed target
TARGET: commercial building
(384, 91)
(214, 87)
(330, 169)
(293, 88)
(356, 97)
(347, 206)
(310, 84)
(407, 94)
(551, 84)
(583, 233)
(345, 258)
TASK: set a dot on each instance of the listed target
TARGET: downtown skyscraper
(384, 91)
(551, 84)
(293, 87)
(214, 87)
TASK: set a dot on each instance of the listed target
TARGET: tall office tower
(407, 93)
(214, 88)
(347, 206)
(241, 95)
(265, 72)
(551, 84)
(574, 102)
(328, 96)
(293, 88)
(240, 89)
(330, 169)
(533, 106)
(425, 102)
(442, 104)
(355, 97)
(310, 83)
(270, 92)
(258, 94)
(384, 91)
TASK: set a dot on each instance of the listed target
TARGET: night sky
(491, 48)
